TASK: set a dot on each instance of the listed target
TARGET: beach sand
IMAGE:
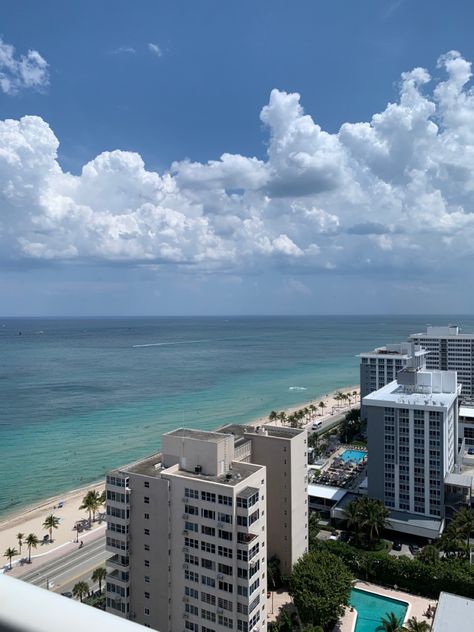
(30, 520)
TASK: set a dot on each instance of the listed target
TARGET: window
(225, 535)
(207, 598)
(226, 587)
(208, 615)
(147, 611)
(147, 595)
(147, 563)
(225, 621)
(208, 513)
(225, 552)
(191, 542)
(146, 500)
(208, 564)
(208, 547)
(146, 483)
(224, 568)
(225, 604)
(146, 516)
(191, 576)
(208, 581)
(147, 531)
(147, 579)
(189, 625)
(192, 609)
(208, 530)
(208, 497)
(191, 509)
(191, 592)
(191, 526)
(191, 559)
(223, 517)
(225, 500)
(147, 547)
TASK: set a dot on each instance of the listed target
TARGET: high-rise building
(450, 350)
(283, 451)
(189, 528)
(380, 366)
(412, 440)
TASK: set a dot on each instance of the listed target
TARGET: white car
(317, 424)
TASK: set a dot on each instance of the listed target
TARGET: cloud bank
(396, 192)
(28, 71)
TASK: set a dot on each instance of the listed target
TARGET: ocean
(81, 396)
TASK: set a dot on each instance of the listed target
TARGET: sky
(312, 157)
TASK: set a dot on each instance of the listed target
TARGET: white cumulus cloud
(155, 49)
(17, 73)
(395, 192)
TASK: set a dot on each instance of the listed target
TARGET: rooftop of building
(239, 472)
(452, 613)
(199, 435)
(466, 411)
(445, 331)
(417, 388)
(402, 350)
(239, 431)
(459, 480)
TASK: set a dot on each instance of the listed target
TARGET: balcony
(116, 562)
(118, 577)
(246, 538)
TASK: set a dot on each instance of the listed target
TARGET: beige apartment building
(189, 529)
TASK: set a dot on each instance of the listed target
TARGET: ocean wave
(297, 388)
(165, 344)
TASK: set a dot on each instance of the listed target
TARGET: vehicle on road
(397, 546)
(316, 425)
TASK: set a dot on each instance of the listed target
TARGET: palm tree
(80, 590)
(31, 541)
(464, 523)
(273, 415)
(51, 522)
(91, 502)
(352, 512)
(390, 623)
(282, 417)
(98, 575)
(322, 406)
(19, 537)
(9, 553)
(415, 625)
(373, 519)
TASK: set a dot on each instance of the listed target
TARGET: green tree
(91, 502)
(274, 572)
(80, 590)
(372, 520)
(19, 537)
(313, 529)
(429, 554)
(390, 623)
(51, 522)
(464, 524)
(415, 625)
(273, 415)
(9, 553)
(320, 586)
(31, 541)
(98, 575)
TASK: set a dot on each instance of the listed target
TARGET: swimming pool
(353, 455)
(371, 608)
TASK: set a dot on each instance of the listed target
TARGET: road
(63, 573)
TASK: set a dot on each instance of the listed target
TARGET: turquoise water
(80, 396)
(371, 608)
(353, 455)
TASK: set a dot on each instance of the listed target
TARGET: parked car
(67, 594)
(470, 451)
(397, 546)
(414, 549)
(317, 424)
(333, 536)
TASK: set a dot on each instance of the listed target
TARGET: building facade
(188, 529)
(412, 439)
(380, 366)
(450, 350)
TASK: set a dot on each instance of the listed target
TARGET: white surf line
(165, 344)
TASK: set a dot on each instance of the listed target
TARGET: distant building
(413, 445)
(380, 366)
(190, 529)
(450, 350)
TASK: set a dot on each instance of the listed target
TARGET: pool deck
(417, 606)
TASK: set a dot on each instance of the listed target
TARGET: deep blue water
(78, 397)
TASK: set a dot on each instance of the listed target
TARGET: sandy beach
(30, 520)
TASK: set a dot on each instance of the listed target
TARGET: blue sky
(307, 206)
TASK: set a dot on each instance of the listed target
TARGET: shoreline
(30, 518)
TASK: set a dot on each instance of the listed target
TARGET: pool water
(371, 608)
(353, 455)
